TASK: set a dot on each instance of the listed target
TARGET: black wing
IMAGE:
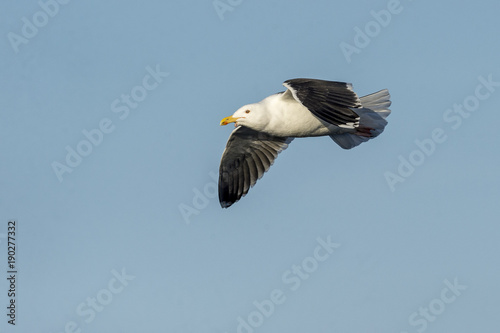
(248, 155)
(330, 101)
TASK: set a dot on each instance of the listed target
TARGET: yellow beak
(228, 120)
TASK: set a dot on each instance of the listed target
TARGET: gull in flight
(308, 108)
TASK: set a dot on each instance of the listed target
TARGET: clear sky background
(133, 239)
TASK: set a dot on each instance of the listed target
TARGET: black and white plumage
(307, 108)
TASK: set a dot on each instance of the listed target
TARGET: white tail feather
(374, 110)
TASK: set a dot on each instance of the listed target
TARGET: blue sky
(399, 234)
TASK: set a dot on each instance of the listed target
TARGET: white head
(251, 115)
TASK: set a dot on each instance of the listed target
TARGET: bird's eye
(247, 111)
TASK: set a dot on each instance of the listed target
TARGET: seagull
(308, 108)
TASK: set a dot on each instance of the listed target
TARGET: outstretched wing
(328, 100)
(248, 155)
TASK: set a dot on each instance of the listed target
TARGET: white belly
(292, 119)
